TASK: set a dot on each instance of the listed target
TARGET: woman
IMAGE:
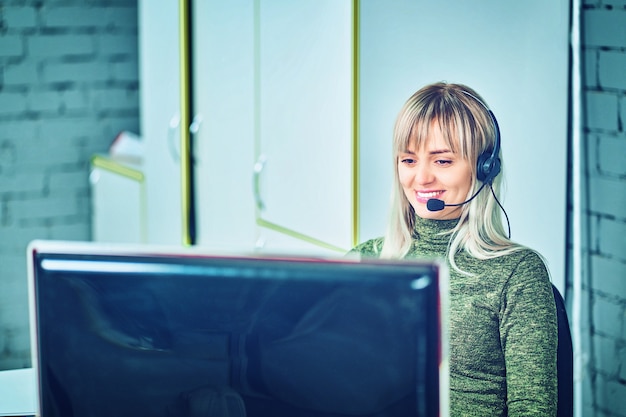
(502, 329)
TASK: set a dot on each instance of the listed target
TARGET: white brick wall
(604, 55)
(68, 85)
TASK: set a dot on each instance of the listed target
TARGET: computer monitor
(121, 331)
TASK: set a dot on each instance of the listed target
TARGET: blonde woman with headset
(503, 328)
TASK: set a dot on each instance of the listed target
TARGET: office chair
(565, 360)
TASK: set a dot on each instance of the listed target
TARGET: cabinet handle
(256, 180)
(194, 127)
(172, 143)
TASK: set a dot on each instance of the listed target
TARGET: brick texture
(68, 85)
(604, 65)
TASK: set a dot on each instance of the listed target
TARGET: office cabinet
(118, 201)
(294, 105)
(273, 94)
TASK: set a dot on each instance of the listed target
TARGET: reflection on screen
(191, 336)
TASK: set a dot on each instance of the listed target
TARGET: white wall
(515, 54)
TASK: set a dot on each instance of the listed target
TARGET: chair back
(565, 360)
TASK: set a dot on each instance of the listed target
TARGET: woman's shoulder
(528, 257)
(526, 264)
(507, 265)
(524, 254)
(370, 248)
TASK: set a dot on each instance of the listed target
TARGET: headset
(488, 167)
(488, 164)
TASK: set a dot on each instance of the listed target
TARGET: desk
(18, 392)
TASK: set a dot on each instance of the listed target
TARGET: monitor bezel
(40, 249)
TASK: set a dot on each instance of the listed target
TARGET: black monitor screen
(133, 333)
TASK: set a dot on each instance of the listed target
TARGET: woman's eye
(407, 161)
(443, 162)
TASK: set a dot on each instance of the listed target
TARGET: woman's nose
(423, 174)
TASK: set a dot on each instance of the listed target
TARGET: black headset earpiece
(488, 163)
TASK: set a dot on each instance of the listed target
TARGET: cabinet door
(223, 134)
(304, 119)
(160, 109)
(273, 97)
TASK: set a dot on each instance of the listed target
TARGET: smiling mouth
(429, 194)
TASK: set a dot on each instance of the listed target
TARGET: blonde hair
(461, 115)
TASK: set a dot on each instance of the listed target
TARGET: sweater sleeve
(528, 331)
(368, 249)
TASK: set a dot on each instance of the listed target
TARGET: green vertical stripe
(355, 122)
(185, 120)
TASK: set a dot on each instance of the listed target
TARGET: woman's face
(434, 171)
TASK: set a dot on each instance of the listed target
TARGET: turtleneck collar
(432, 233)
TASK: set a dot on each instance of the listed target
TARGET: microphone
(434, 204)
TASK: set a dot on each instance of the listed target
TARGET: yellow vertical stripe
(355, 122)
(185, 117)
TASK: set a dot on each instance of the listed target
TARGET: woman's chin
(447, 213)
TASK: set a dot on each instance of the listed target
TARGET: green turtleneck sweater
(502, 329)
